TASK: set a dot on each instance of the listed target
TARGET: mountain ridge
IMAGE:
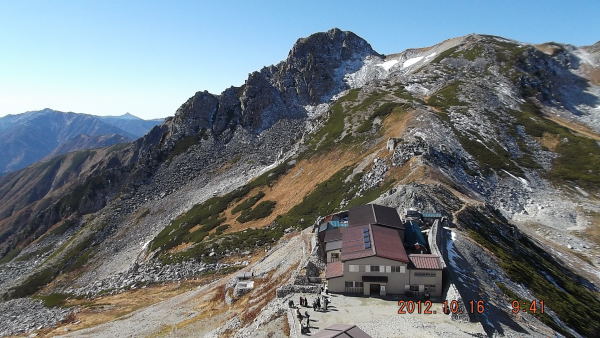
(31, 136)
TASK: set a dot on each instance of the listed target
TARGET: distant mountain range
(31, 136)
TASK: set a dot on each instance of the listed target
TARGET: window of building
(388, 269)
(414, 288)
(353, 268)
(335, 256)
(353, 284)
(395, 268)
(425, 274)
(374, 268)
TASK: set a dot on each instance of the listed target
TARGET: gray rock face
(197, 113)
(23, 315)
(315, 67)
(142, 275)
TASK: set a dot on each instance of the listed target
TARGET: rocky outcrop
(25, 314)
(315, 67)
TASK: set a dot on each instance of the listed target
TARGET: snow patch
(430, 56)
(412, 61)
(388, 64)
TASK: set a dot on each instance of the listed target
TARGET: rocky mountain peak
(315, 65)
(312, 73)
(342, 45)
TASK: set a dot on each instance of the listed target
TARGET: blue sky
(148, 57)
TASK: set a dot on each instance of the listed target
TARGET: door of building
(374, 289)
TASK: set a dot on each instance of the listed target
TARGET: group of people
(317, 305)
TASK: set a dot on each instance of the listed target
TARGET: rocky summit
(205, 225)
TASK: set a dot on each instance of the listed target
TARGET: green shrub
(221, 228)
(185, 143)
(384, 110)
(248, 203)
(261, 210)
(446, 97)
(53, 299)
(10, 255)
(448, 52)
(365, 126)
(269, 177)
(205, 213)
(497, 158)
(472, 53)
(402, 93)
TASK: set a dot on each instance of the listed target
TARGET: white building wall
(396, 280)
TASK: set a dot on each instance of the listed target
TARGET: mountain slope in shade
(83, 141)
(29, 137)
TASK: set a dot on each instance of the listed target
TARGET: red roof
(388, 243)
(425, 261)
(335, 269)
(372, 240)
(334, 234)
(374, 214)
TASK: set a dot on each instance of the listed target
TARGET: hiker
(299, 315)
(319, 302)
(300, 300)
(303, 301)
(291, 303)
(307, 318)
(304, 329)
(315, 305)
